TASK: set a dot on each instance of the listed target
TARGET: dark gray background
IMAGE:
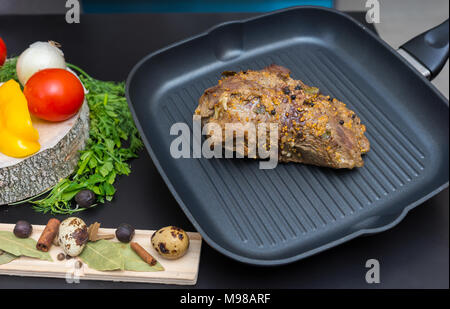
(413, 254)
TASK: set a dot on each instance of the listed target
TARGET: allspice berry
(23, 229)
(125, 232)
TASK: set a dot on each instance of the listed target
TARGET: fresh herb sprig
(8, 70)
(113, 140)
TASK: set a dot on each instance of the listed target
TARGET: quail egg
(73, 236)
(170, 242)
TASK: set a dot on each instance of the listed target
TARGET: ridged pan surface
(272, 217)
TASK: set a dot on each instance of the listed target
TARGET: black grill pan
(272, 217)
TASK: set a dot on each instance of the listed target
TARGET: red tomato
(54, 94)
(2, 52)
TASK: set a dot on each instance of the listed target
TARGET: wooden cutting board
(183, 271)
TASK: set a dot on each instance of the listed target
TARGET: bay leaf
(21, 246)
(133, 262)
(6, 257)
(102, 255)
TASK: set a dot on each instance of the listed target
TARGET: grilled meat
(312, 128)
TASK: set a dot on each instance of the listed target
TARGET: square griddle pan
(273, 217)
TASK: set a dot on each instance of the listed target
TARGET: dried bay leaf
(21, 246)
(133, 262)
(6, 257)
(102, 255)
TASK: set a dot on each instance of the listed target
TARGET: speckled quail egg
(73, 236)
(170, 242)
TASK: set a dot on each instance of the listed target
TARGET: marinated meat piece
(312, 128)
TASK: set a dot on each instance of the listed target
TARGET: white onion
(39, 56)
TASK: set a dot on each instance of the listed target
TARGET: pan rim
(294, 258)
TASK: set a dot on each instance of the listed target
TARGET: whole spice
(46, 239)
(23, 229)
(125, 232)
(21, 246)
(143, 254)
(6, 257)
(61, 256)
(85, 198)
(133, 262)
(103, 255)
(93, 233)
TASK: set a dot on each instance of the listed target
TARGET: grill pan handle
(428, 52)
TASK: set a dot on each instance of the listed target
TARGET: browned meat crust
(313, 128)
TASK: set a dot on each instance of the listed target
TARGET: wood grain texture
(183, 271)
(57, 159)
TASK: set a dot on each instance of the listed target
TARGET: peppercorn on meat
(312, 128)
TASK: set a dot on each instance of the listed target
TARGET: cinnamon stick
(51, 230)
(143, 254)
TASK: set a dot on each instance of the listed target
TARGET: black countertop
(414, 254)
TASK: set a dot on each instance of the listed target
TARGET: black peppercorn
(125, 232)
(293, 97)
(341, 122)
(353, 116)
(23, 229)
(85, 198)
(298, 87)
(286, 90)
(61, 256)
(273, 112)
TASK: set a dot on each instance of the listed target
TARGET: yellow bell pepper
(18, 137)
